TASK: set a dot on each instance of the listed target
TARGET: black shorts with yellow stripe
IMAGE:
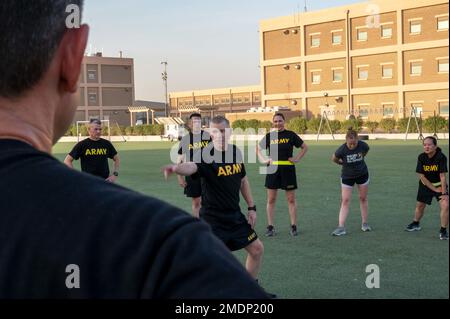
(426, 195)
(282, 177)
(236, 235)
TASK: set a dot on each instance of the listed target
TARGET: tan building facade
(214, 102)
(375, 60)
(106, 89)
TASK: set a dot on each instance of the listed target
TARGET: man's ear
(72, 48)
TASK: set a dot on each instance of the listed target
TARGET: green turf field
(315, 264)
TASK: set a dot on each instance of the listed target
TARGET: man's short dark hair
(195, 115)
(95, 121)
(220, 119)
(30, 34)
(280, 115)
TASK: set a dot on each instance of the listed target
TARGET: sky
(207, 43)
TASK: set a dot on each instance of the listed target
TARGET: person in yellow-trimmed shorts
(281, 174)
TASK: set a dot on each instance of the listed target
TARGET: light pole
(164, 77)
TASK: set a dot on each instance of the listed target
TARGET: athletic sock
(443, 229)
(270, 227)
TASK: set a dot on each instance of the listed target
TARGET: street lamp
(164, 77)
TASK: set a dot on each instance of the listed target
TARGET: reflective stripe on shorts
(282, 163)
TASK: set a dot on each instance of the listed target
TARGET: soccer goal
(83, 133)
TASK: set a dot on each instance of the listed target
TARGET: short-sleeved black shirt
(281, 143)
(192, 144)
(222, 176)
(125, 245)
(353, 160)
(431, 168)
(94, 156)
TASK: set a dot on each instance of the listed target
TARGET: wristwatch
(252, 208)
(116, 174)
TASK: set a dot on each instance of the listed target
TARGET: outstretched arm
(184, 169)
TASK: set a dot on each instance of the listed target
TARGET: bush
(313, 124)
(403, 124)
(138, 130)
(129, 130)
(441, 124)
(254, 124)
(335, 126)
(242, 124)
(372, 126)
(356, 124)
(388, 125)
(298, 125)
(267, 125)
(117, 130)
(105, 130)
(157, 129)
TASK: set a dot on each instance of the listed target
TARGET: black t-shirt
(222, 175)
(353, 160)
(124, 244)
(431, 168)
(281, 143)
(192, 144)
(94, 156)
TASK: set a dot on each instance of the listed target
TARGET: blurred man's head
(95, 129)
(196, 122)
(220, 132)
(40, 62)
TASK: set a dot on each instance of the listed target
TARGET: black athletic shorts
(361, 180)
(425, 195)
(194, 187)
(284, 178)
(236, 235)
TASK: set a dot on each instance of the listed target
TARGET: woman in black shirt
(432, 169)
(354, 171)
(281, 173)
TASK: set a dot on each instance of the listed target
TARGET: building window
(443, 65)
(92, 75)
(387, 71)
(92, 97)
(363, 111)
(386, 31)
(315, 77)
(417, 109)
(363, 73)
(336, 38)
(315, 41)
(415, 68)
(415, 27)
(442, 23)
(337, 75)
(388, 110)
(256, 99)
(443, 108)
(362, 35)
